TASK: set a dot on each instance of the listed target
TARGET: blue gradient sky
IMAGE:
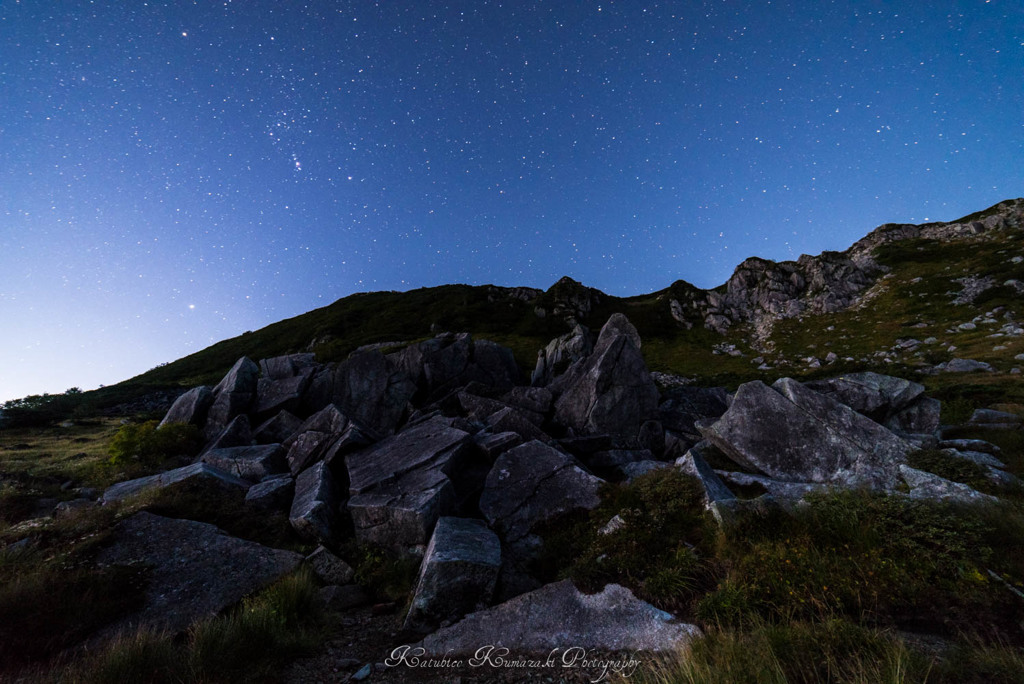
(172, 174)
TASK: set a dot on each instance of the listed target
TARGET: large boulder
(191, 407)
(374, 390)
(612, 391)
(274, 395)
(194, 570)
(278, 429)
(531, 484)
(403, 484)
(559, 616)
(458, 574)
(194, 472)
(795, 434)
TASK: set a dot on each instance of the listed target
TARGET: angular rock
(965, 366)
(314, 513)
(281, 367)
(374, 390)
(196, 471)
(920, 417)
(631, 471)
(195, 570)
(191, 407)
(273, 494)
(533, 399)
(871, 394)
(794, 434)
(514, 420)
(448, 361)
(233, 395)
(531, 484)
(558, 615)
(493, 445)
(979, 457)
(612, 392)
(315, 437)
(991, 418)
(329, 568)
(237, 433)
(278, 429)
(934, 488)
(779, 489)
(283, 394)
(401, 485)
(693, 463)
(971, 445)
(561, 353)
(458, 574)
(248, 462)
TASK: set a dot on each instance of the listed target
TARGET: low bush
(149, 445)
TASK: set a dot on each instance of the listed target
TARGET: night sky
(173, 174)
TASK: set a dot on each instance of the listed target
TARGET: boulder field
(439, 452)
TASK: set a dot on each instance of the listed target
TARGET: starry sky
(176, 173)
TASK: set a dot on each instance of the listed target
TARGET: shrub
(146, 444)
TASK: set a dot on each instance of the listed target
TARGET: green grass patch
(939, 463)
(885, 559)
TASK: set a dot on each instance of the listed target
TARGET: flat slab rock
(123, 490)
(560, 616)
(196, 569)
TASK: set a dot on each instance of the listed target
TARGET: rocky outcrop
(458, 574)
(194, 570)
(448, 361)
(558, 616)
(611, 391)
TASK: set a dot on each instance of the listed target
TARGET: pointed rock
(613, 391)
(191, 407)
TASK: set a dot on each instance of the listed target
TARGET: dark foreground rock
(458, 574)
(195, 570)
(560, 616)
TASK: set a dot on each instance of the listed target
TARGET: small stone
(966, 326)
(364, 673)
